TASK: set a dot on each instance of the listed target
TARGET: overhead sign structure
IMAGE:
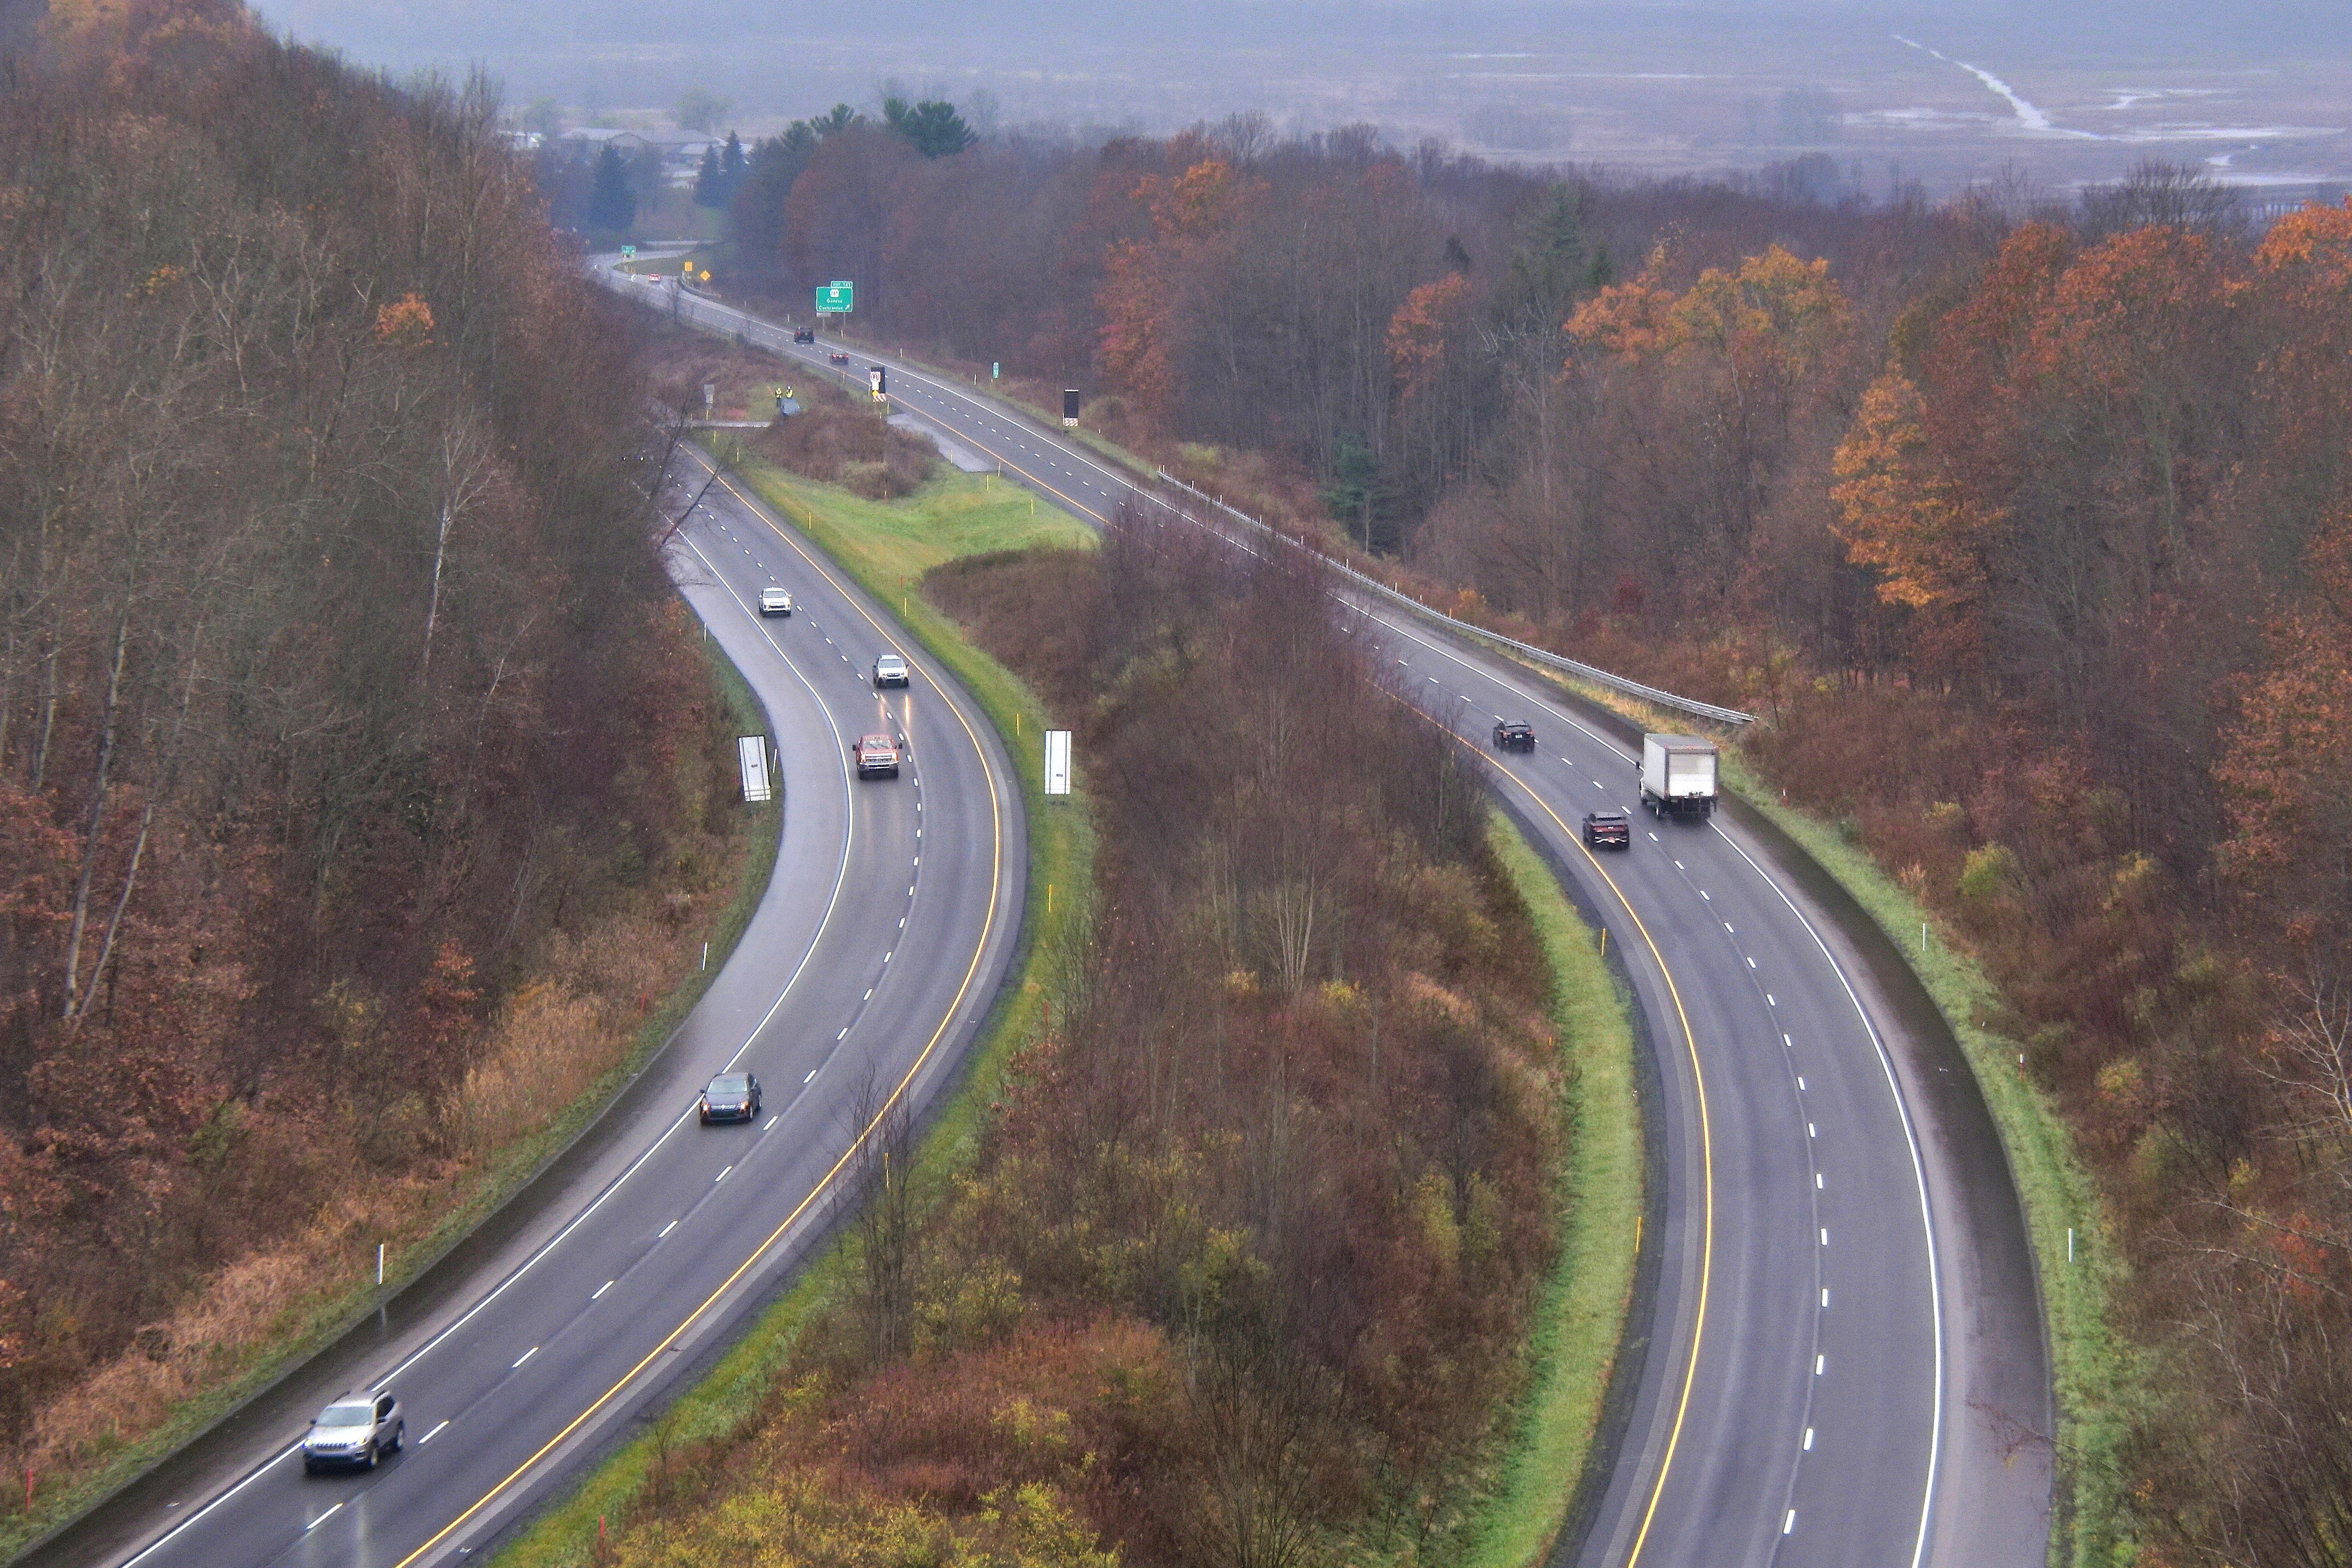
(1057, 761)
(1070, 407)
(751, 752)
(836, 297)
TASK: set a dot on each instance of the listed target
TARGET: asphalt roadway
(1839, 1346)
(867, 968)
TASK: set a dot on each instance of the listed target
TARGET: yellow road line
(979, 949)
(1690, 1042)
(1706, 1130)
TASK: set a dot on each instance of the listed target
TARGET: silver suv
(890, 671)
(775, 602)
(357, 1430)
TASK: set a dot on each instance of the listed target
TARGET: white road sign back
(1057, 761)
(752, 751)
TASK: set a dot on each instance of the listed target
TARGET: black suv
(1514, 735)
(803, 334)
(1608, 830)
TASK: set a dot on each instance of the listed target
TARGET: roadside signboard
(628, 253)
(836, 297)
(1057, 761)
(1070, 407)
(879, 379)
(751, 752)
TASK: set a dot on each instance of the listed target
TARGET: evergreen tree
(710, 185)
(933, 126)
(612, 205)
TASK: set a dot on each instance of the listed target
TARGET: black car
(1514, 735)
(1608, 830)
(838, 358)
(803, 334)
(731, 1097)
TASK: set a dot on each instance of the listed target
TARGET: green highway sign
(835, 296)
(628, 253)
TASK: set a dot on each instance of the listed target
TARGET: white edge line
(1545, 705)
(832, 906)
(1918, 1173)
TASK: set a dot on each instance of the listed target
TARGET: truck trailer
(1677, 777)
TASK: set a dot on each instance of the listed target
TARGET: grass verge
(2093, 1368)
(308, 1326)
(885, 547)
(1580, 1322)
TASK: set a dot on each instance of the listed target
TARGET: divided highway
(1842, 1361)
(874, 956)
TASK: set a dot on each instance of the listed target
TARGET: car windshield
(348, 1416)
(731, 1083)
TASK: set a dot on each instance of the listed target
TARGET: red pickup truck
(877, 756)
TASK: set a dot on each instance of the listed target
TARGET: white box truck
(1677, 777)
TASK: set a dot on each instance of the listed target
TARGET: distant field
(2265, 102)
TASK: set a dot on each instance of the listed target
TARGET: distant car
(890, 671)
(653, 276)
(838, 358)
(355, 1431)
(731, 1097)
(877, 757)
(803, 334)
(1608, 830)
(1514, 735)
(775, 602)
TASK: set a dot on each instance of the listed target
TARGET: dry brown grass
(549, 1044)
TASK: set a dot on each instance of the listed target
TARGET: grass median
(2092, 1367)
(885, 547)
(1580, 1322)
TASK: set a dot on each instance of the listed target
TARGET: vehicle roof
(1610, 813)
(1675, 743)
(891, 658)
(878, 739)
(1517, 724)
(732, 1080)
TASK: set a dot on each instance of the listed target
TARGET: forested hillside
(2024, 524)
(353, 754)
(1242, 1268)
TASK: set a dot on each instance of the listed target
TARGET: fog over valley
(2260, 96)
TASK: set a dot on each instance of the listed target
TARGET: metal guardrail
(1542, 656)
(710, 314)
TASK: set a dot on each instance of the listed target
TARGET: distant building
(597, 138)
(680, 156)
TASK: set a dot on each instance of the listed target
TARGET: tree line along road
(1840, 1358)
